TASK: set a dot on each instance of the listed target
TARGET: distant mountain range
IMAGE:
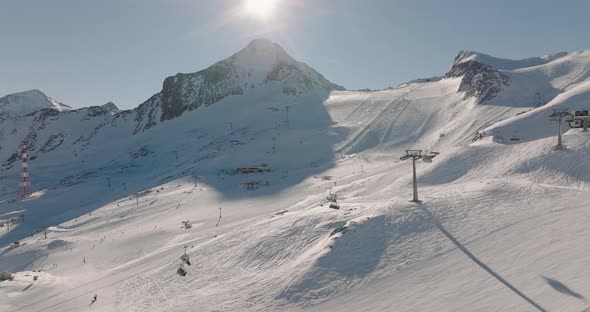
(263, 72)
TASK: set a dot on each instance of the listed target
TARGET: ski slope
(502, 226)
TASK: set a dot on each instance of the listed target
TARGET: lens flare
(260, 8)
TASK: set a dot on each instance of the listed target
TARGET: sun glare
(260, 8)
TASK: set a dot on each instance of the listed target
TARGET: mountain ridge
(506, 64)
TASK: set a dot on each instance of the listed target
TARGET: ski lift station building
(578, 117)
(248, 170)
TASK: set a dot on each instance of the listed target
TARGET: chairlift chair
(334, 206)
(181, 271)
(429, 156)
(498, 139)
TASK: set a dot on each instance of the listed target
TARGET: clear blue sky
(89, 52)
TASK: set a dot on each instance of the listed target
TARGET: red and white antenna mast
(25, 184)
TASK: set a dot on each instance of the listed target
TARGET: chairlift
(498, 139)
(579, 119)
(335, 206)
(427, 158)
(181, 271)
(515, 138)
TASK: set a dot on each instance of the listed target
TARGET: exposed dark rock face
(95, 111)
(147, 113)
(52, 143)
(479, 81)
(43, 114)
(190, 91)
(142, 152)
(14, 157)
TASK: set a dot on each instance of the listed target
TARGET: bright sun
(260, 8)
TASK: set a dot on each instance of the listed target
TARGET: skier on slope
(94, 299)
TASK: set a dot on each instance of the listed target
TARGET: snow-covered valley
(123, 194)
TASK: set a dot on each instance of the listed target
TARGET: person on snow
(94, 299)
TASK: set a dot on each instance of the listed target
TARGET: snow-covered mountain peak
(527, 82)
(24, 103)
(261, 54)
(504, 64)
(257, 60)
(263, 60)
(478, 79)
(263, 43)
(261, 65)
(111, 107)
(464, 56)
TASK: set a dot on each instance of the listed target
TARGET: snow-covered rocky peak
(259, 57)
(479, 80)
(263, 61)
(111, 107)
(262, 64)
(24, 103)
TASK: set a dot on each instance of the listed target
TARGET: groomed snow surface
(503, 226)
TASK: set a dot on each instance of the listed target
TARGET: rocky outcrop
(478, 80)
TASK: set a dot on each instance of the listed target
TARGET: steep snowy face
(24, 103)
(262, 64)
(478, 80)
